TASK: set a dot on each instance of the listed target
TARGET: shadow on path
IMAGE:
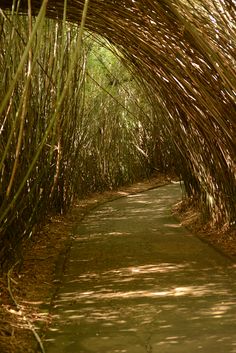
(138, 282)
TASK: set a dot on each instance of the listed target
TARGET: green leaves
(149, 85)
(68, 126)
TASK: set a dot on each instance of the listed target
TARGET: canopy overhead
(184, 53)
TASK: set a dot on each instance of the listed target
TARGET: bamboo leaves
(75, 120)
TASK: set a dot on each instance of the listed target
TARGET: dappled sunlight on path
(139, 282)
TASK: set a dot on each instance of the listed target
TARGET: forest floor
(26, 294)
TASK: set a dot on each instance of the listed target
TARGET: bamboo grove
(74, 119)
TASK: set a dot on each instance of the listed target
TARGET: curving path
(138, 282)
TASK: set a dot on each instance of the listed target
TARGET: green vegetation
(60, 142)
(150, 85)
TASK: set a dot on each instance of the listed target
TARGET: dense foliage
(99, 136)
(74, 120)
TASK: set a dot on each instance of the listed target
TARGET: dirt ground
(223, 240)
(26, 293)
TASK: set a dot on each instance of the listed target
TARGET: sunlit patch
(129, 330)
(145, 269)
(118, 233)
(178, 291)
(145, 202)
(165, 326)
(195, 291)
(33, 303)
(220, 310)
(135, 270)
(122, 193)
(172, 225)
(173, 339)
(76, 317)
(160, 296)
(135, 196)
(53, 329)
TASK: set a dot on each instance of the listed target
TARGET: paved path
(137, 282)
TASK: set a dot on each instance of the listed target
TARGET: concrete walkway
(137, 282)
